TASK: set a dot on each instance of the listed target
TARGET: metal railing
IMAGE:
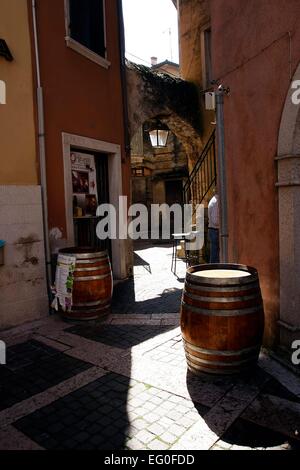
(203, 176)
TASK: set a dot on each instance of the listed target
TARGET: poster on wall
(84, 183)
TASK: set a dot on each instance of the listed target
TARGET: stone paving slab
(167, 407)
(33, 367)
(205, 433)
(280, 373)
(206, 390)
(276, 413)
(25, 407)
(49, 342)
(246, 434)
(118, 336)
(121, 411)
(154, 287)
(12, 439)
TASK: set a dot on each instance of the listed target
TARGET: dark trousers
(213, 235)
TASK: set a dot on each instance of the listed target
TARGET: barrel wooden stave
(93, 285)
(222, 334)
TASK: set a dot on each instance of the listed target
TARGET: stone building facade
(65, 98)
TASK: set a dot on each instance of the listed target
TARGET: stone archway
(174, 101)
(288, 160)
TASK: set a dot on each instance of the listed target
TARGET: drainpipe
(42, 152)
(123, 75)
(222, 173)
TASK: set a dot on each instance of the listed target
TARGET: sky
(147, 30)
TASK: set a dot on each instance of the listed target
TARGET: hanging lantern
(159, 135)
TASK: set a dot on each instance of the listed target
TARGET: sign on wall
(2, 92)
(84, 183)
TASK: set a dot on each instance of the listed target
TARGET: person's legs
(214, 245)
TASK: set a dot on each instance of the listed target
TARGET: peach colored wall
(17, 124)
(193, 19)
(80, 97)
(251, 55)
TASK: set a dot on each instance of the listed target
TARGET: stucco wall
(23, 294)
(251, 51)
(194, 18)
(17, 129)
(80, 97)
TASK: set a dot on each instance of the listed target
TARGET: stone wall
(23, 294)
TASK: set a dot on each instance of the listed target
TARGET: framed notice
(84, 183)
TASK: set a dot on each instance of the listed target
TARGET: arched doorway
(288, 160)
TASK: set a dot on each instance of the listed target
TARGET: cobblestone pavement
(123, 384)
(154, 288)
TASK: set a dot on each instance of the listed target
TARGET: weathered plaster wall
(23, 295)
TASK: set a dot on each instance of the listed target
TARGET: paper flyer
(64, 280)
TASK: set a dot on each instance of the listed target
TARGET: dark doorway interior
(174, 192)
(86, 221)
(174, 195)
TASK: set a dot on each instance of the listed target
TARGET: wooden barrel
(93, 284)
(222, 318)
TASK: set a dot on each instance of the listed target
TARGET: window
(137, 171)
(85, 25)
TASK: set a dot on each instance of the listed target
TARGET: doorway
(90, 189)
(114, 170)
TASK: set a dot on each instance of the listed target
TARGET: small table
(176, 238)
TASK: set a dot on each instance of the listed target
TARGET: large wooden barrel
(222, 318)
(93, 284)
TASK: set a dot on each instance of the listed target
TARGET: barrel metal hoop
(229, 282)
(91, 304)
(222, 313)
(94, 261)
(87, 256)
(91, 278)
(224, 300)
(227, 289)
(191, 359)
(212, 352)
(96, 268)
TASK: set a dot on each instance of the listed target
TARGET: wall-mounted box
(2, 245)
(210, 101)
